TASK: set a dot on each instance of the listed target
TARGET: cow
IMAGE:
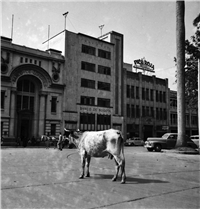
(101, 144)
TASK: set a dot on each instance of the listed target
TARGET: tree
(192, 49)
(180, 53)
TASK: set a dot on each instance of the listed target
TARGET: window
(88, 66)
(104, 70)
(161, 97)
(152, 112)
(128, 112)
(164, 114)
(25, 95)
(2, 99)
(103, 86)
(137, 111)
(194, 120)
(164, 97)
(87, 100)
(103, 122)
(147, 111)
(152, 99)
(21, 59)
(173, 103)
(132, 92)
(147, 94)
(53, 104)
(128, 91)
(87, 83)
(143, 111)
(143, 93)
(161, 114)
(88, 49)
(157, 114)
(86, 118)
(187, 118)
(103, 102)
(53, 129)
(132, 111)
(173, 119)
(137, 93)
(157, 98)
(104, 54)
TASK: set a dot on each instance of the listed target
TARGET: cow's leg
(116, 169)
(82, 166)
(121, 164)
(88, 165)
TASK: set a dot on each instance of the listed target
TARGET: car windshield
(165, 136)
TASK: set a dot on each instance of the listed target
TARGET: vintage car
(167, 141)
(134, 141)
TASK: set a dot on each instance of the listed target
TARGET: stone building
(32, 89)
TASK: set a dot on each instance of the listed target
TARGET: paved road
(48, 178)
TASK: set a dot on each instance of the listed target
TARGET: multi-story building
(89, 88)
(146, 104)
(32, 89)
(93, 93)
(191, 117)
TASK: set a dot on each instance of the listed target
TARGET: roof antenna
(12, 27)
(101, 28)
(65, 14)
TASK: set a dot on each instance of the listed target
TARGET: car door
(171, 141)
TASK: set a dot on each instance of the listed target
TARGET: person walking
(59, 144)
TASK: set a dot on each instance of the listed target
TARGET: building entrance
(25, 127)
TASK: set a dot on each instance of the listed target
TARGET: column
(12, 113)
(42, 114)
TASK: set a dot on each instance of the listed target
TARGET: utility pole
(180, 44)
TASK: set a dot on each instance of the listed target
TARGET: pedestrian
(59, 144)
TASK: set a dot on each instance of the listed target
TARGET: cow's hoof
(88, 175)
(123, 182)
(81, 177)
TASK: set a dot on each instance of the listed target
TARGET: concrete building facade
(32, 89)
(93, 80)
(89, 88)
(147, 104)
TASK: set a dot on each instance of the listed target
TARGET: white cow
(100, 144)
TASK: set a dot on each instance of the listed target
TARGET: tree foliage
(192, 54)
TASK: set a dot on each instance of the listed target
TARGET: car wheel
(158, 148)
(150, 149)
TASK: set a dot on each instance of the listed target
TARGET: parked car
(167, 141)
(134, 141)
(195, 139)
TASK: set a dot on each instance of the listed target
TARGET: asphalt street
(49, 178)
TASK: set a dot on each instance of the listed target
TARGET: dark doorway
(148, 131)
(25, 127)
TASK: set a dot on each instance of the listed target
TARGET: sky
(149, 27)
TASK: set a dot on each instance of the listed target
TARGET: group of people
(63, 140)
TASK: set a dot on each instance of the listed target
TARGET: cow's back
(100, 143)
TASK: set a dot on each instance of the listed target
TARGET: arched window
(25, 95)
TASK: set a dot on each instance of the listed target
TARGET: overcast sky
(149, 28)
